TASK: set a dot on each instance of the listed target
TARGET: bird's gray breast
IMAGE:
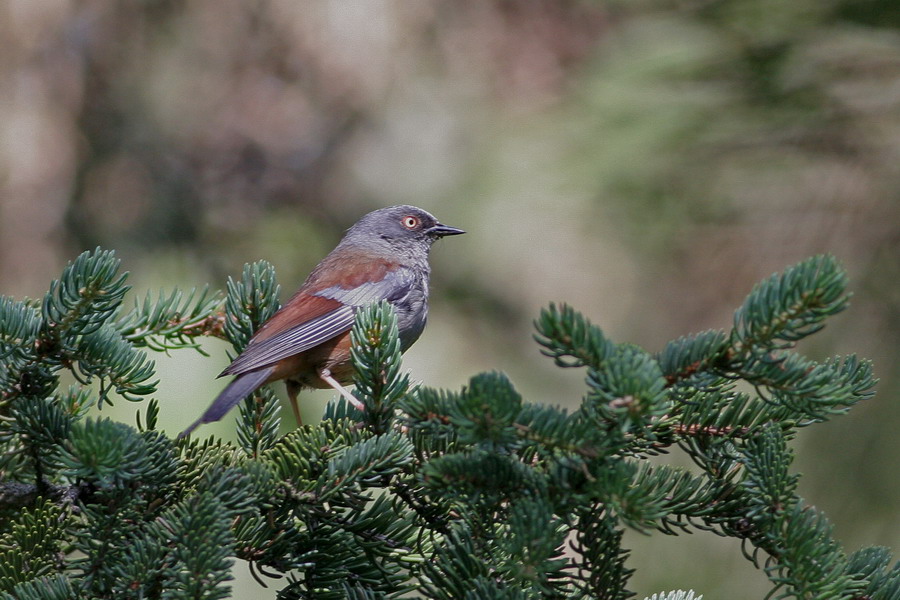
(412, 312)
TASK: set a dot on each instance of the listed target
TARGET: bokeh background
(646, 161)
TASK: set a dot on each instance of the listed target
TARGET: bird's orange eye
(410, 222)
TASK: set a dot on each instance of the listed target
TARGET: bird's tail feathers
(242, 386)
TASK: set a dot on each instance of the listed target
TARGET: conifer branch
(789, 306)
(250, 302)
(375, 350)
(89, 291)
(172, 321)
(473, 493)
(570, 339)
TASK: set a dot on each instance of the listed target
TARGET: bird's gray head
(404, 228)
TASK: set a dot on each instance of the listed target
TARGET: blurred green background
(646, 161)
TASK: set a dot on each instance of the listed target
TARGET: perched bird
(384, 256)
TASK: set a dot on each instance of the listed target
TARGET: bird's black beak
(441, 230)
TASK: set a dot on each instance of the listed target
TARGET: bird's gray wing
(342, 303)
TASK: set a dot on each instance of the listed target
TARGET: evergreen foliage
(469, 494)
(249, 303)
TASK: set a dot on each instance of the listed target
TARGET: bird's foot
(325, 375)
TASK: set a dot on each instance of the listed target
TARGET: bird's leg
(293, 388)
(325, 375)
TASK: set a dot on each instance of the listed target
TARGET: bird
(306, 343)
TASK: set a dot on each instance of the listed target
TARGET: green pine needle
(469, 494)
(104, 354)
(376, 353)
(250, 302)
(89, 291)
(789, 306)
(570, 339)
(173, 321)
